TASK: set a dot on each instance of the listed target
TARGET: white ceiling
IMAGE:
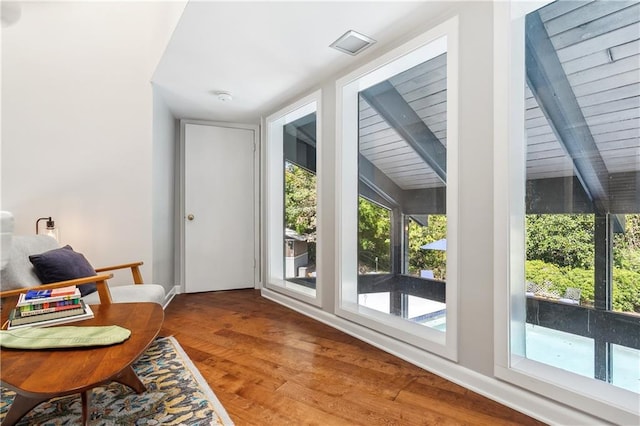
(266, 53)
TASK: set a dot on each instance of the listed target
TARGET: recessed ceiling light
(352, 42)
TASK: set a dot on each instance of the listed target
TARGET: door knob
(190, 217)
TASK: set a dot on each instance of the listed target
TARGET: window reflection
(582, 190)
(300, 201)
(402, 191)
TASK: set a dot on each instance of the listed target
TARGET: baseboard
(531, 404)
(169, 297)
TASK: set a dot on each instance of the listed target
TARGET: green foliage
(626, 284)
(539, 272)
(561, 239)
(560, 250)
(374, 229)
(630, 239)
(374, 237)
(626, 246)
(300, 204)
(627, 259)
(626, 290)
(300, 200)
(584, 280)
(420, 259)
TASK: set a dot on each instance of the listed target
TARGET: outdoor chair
(571, 296)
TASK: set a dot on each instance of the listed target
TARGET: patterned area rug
(177, 394)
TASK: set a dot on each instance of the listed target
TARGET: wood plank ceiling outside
(598, 46)
(423, 88)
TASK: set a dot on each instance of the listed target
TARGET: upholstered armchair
(38, 261)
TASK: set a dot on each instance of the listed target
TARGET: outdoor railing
(602, 326)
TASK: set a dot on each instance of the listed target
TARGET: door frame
(181, 186)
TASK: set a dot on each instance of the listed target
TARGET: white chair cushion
(130, 294)
(19, 272)
(6, 232)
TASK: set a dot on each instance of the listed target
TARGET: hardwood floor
(269, 365)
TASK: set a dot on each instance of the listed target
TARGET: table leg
(20, 406)
(129, 378)
(86, 404)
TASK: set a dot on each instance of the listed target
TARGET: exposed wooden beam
(552, 90)
(425, 201)
(299, 151)
(300, 142)
(556, 196)
(625, 188)
(379, 182)
(368, 193)
(379, 188)
(385, 99)
(566, 195)
(420, 219)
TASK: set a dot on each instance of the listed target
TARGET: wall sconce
(50, 230)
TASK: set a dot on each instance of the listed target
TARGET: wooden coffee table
(39, 375)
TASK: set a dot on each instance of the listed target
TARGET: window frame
(274, 197)
(587, 394)
(346, 306)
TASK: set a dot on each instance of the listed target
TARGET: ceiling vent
(352, 42)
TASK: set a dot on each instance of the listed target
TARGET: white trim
(169, 296)
(274, 221)
(543, 409)
(256, 201)
(592, 396)
(440, 39)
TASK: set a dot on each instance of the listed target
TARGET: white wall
(474, 369)
(165, 155)
(77, 110)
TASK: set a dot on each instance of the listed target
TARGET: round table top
(38, 373)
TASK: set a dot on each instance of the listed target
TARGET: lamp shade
(50, 228)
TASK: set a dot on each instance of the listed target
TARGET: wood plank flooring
(269, 365)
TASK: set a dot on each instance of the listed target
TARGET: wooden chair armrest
(123, 266)
(100, 280)
(135, 270)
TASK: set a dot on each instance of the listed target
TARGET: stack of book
(48, 307)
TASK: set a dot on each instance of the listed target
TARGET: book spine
(64, 291)
(22, 301)
(48, 305)
(16, 319)
(88, 313)
(29, 312)
(37, 294)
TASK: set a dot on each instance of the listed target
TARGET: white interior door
(219, 234)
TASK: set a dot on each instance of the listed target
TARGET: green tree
(300, 200)
(626, 245)
(626, 284)
(374, 237)
(560, 251)
(561, 239)
(300, 204)
(626, 290)
(419, 258)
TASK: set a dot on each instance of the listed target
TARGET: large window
(292, 194)
(398, 156)
(573, 150)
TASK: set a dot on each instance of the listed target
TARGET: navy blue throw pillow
(63, 264)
